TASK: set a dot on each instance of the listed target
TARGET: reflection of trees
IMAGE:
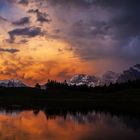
(51, 114)
(133, 123)
(94, 117)
(36, 112)
(79, 116)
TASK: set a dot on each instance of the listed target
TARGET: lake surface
(40, 125)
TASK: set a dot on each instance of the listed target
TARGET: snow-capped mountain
(109, 77)
(11, 83)
(83, 79)
(133, 73)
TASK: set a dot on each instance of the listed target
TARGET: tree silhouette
(37, 86)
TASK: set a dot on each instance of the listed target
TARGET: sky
(56, 39)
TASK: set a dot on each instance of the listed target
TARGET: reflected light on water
(30, 125)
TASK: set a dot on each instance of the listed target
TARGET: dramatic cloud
(97, 35)
(83, 3)
(23, 2)
(28, 32)
(22, 21)
(99, 28)
(41, 17)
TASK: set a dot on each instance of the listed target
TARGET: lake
(43, 125)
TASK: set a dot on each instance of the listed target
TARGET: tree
(37, 86)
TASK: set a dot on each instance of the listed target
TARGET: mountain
(109, 77)
(83, 79)
(133, 73)
(92, 81)
(11, 83)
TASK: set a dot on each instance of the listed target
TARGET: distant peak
(137, 65)
(12, 83)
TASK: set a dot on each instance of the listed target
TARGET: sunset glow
(48, 39)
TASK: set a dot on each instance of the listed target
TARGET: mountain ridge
(12, 83)
(131, 74)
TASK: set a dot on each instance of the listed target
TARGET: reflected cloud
(26, 125)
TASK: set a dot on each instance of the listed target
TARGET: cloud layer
(96, 32)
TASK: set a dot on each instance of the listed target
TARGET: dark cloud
(99, 29)
(33, 11)
(25, 2)
(124, 21)
(96, 29)
(83, 3)
(41, 16)
(23, 41)
(28, 31)
(22, 21)
(90, 29)
(9, 50)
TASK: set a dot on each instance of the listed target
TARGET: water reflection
(46, 125)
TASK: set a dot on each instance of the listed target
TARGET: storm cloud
(40, 16)
(100, 29)
(22, 21)
(25, 2)
(94, 28)
(28, 32)
(99, 33)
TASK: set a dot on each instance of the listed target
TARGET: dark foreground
(124, 101)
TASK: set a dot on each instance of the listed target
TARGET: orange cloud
(41, 59)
